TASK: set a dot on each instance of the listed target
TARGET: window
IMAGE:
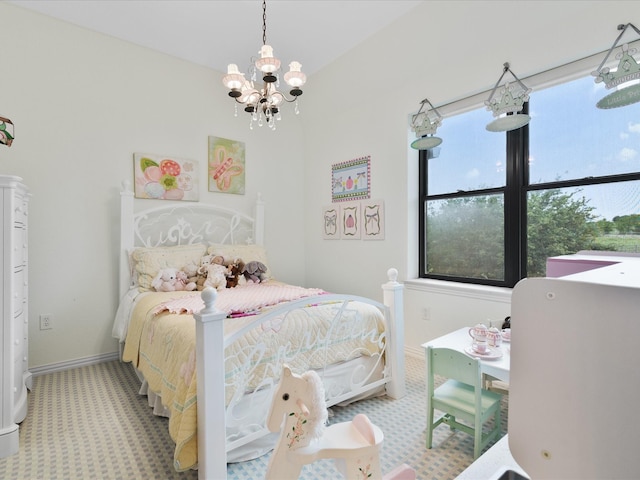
(495, 206)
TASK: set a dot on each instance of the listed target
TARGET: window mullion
(515, 210)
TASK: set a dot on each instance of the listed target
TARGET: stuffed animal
(166, 280)
(221, 260)
(205, 261)
(255, 271)
(191, 270)
(216, 276)
(184, 283)
(235, 273)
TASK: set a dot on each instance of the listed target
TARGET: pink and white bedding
(248, 299)
(160, 343)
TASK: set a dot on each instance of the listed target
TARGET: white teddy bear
(166, 280)
(216, 276)
(184, 283)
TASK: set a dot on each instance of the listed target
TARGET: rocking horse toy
(355, 445)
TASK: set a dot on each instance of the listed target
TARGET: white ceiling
(215, 33)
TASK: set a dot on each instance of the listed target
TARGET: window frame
(517, 187)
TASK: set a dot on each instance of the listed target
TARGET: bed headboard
(182, 223)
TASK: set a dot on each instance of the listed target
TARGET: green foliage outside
(465, 236)
(558, 224)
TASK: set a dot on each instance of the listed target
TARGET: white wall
(444, 51)
(82, 104)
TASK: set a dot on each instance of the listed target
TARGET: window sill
(458, 289)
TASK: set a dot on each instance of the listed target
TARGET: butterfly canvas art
(226, 167)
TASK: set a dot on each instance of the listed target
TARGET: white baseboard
(416, 352)
(69, 364)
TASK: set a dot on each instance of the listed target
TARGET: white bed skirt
(338, 375)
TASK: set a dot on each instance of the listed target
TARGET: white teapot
(494, 337)
(479, 332)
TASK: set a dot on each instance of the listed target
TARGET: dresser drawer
(18, 344)
(19, 245)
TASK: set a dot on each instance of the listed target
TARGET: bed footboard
(257, 368)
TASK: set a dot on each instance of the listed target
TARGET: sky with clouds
(570, 138)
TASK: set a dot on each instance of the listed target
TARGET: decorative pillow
(149, 261)
(246, 252)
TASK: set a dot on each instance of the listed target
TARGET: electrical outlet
(426, 314)
(46, 321)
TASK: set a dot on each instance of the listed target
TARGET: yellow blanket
(162, 347)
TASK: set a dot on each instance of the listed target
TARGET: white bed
(230, 363)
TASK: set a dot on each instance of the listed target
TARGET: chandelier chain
(264, 22)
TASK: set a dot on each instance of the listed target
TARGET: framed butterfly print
(226, 165)
(372, 219)
(331, 222)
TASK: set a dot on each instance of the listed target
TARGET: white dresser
(15, 377)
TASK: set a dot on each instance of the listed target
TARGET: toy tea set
(486, 341)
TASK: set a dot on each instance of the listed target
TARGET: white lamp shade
(267, 63)
(275, 99)
(249, 94)
(294, 77)
(233, 79)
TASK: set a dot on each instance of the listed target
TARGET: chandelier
(263, 102)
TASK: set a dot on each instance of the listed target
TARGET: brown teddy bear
(235, 275)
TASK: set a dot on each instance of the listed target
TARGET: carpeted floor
(90, 423)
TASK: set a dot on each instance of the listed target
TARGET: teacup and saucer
(506, 334)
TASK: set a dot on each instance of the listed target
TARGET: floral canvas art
(226, 166)
(164, 177)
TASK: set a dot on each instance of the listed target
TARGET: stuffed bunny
(166, 280)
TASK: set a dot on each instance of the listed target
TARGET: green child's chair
(460, 397)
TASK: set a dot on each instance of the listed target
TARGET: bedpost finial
(209, 295)
(392, 274)
(126, 185)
